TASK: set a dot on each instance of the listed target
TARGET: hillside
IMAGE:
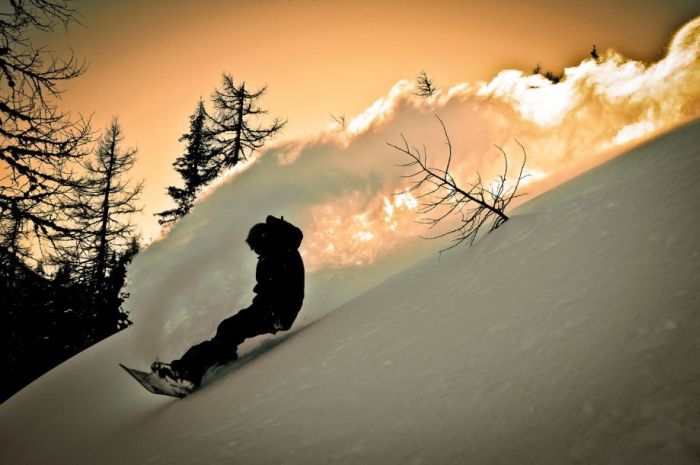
(569, 335)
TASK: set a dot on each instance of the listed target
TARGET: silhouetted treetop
(425, 85)
(197, 167)
(105, 219)
(237, 126)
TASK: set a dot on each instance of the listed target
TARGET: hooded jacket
(280, 271)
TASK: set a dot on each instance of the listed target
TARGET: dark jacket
(280, 272)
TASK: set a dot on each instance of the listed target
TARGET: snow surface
(569, 335)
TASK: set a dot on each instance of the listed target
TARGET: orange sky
(149, 62)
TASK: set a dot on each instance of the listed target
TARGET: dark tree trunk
(101, 259)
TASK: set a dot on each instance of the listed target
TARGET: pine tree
(105, 216)
(196, 167)
(236, 137)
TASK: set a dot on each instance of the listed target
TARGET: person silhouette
(279, 294)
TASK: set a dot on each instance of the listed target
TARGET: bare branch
(40, 147)
(439, 192)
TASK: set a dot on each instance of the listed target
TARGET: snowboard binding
(165, 370)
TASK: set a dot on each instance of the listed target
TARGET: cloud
(340, 187)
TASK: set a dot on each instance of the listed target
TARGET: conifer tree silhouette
(236, 136)
(105, 217)
(197, 167)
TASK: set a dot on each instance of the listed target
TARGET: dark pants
(222, 348)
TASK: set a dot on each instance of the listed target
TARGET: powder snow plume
(345, 190)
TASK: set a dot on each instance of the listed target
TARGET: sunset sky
(149, 62)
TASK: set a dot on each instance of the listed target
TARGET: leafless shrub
(426, 88)
(440, 196)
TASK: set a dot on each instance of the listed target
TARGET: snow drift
(569, 335)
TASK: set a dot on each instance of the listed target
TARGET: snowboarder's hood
(282, 234)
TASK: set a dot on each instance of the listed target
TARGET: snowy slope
(570, 335)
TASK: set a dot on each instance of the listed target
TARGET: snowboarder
(279, 296)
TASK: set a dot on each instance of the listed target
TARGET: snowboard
(157, 385)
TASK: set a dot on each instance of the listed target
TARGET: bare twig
(440, 196)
